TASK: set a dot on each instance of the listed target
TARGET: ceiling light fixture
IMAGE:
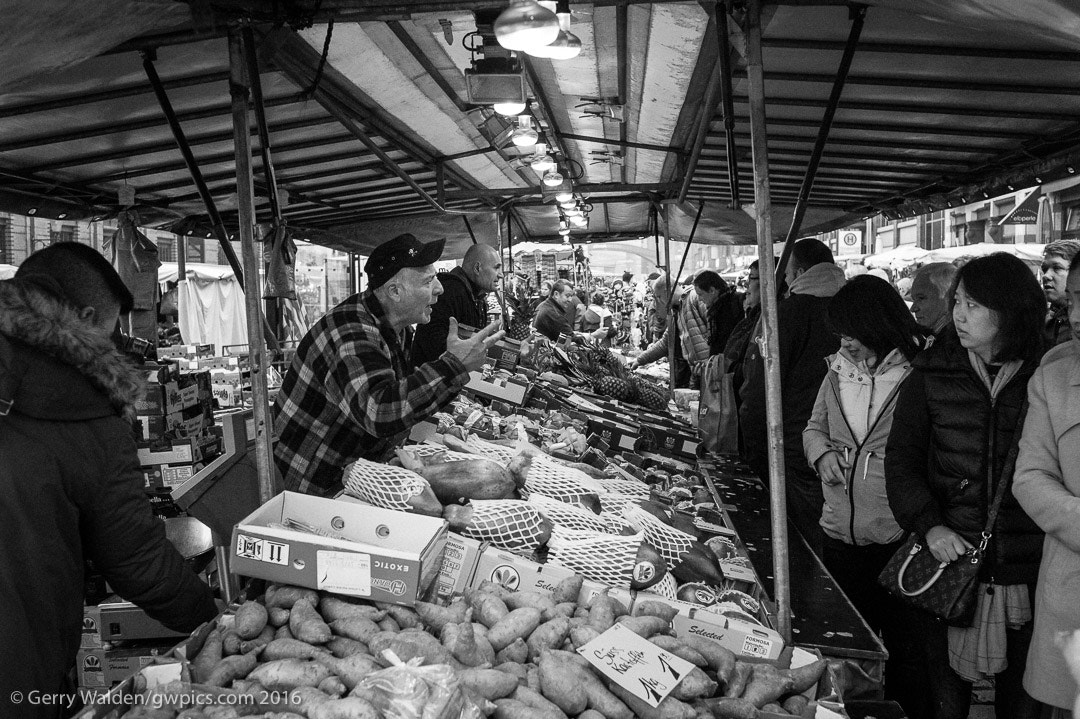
(526, 24)
(510, 109)
(579, 221)
(1071, 170)
(564, 196)
(552, 178)
(542, 161)
(32, 211)
(61, 216)
(524, 135)
(566, 44)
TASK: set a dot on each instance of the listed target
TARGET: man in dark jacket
(464, 298)
(554, 315)
(805, 341)
(70, 485)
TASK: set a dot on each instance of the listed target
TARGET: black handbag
(948, 590)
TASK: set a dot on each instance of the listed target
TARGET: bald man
(464, 298)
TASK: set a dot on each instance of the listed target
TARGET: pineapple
(523, 309)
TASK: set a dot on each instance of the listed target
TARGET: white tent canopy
(1031, 253)
(210, 302)
(7, 271)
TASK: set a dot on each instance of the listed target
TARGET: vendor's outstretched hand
(472, 351)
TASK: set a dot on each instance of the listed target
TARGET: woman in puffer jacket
(957, 420)
(845, 442)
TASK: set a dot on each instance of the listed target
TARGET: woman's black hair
(868, 309)
(1004, 284)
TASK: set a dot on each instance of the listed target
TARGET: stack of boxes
(175, 426)
(230, 383)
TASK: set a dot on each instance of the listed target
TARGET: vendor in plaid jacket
(351, 392)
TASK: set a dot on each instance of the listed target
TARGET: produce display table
(823, 617)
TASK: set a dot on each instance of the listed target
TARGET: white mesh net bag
(628, 487)
(666, 587)
(434, 450)
(558, 482)
(605, 558)
(383, 485)
(613, 503)
(507, 523)
(670, 542)
(497, 452)
(569, 516)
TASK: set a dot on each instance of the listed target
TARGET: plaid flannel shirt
(351, 393)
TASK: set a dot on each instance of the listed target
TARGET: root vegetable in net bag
(506, 523)
(407, 690)
(626, 487)
(536, 474)
(615, 560)
(385, 486)
(569, 516)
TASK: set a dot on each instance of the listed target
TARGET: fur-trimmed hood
(34, 315)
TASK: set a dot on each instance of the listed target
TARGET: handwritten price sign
(636, 664)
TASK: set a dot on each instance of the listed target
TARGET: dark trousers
(855, 569)
(951, 695)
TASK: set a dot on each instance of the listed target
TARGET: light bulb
(566, 239)
(525, 24)
(579, 221)
(564, 196)
(569, 205)
(509, 108)
(564, 231)
(571, 211)
(542, 163)
(565, 46)
(524, 135)
(552, 178)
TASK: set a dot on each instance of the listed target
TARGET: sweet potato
(347, 708)
(599, 698)
(517, 669)
(795, 704)
(405, 617)
(209, 656)
(740, 675)
(669, 708)
(251, 617)
(695, 685)
(601, 612)
(731, 708)
(409, 645)
(334, 687)
(306, 624)
(721, 659)
(518, 624)
(565, 609)
(544, 603)
(560, 684)
(517, 651)
(265, 637)
(360, 629)
(237, 666)
(283, 632)
(277, 616)
(489, 587)
(461, 641)
(533, 698)
(806, 676)
(289, 649)
(682, 651)
(436, 617)
(591, 714)
(645, 625)
(287, 674)
(655, 608)
(767, 684)
(580, 636)
(488, 683)
(549, 635)
(514, 709)
(334, 608)
(487, 608)
(774, 708)
(351, 669)
(387, 624)
(285, 595)
(568, 589)
(342, 647)
(302, 699)
(230, 643)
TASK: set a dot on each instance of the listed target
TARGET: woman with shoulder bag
(845, 442)
(947, 468)
(1047, 485)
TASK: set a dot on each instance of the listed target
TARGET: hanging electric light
(566, 44)
(524, 135)
(542, 162)
(579, 221)
(526, 24)
(564, 196)
(552, 178)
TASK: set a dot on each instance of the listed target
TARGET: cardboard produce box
(97, 667)
(353, 549)
(744, 638)
(458, 565)
(517, 573)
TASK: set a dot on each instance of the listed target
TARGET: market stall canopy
(369, 117)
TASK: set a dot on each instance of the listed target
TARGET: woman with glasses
(956, 422)
(845, 443)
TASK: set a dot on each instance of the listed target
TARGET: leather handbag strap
(1007, 469)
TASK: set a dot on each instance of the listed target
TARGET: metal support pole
(858, 16)
(771, 344)
(245, 191)
(689, 241)
(727, 103)
(192, 165)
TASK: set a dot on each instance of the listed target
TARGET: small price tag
(636, 664)
(344, 572)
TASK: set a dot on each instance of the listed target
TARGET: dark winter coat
(71, 490)
(461, 300)
(724, 315)
(945, 455)
(552, 320)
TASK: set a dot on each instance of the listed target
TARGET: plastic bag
(407, 690)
